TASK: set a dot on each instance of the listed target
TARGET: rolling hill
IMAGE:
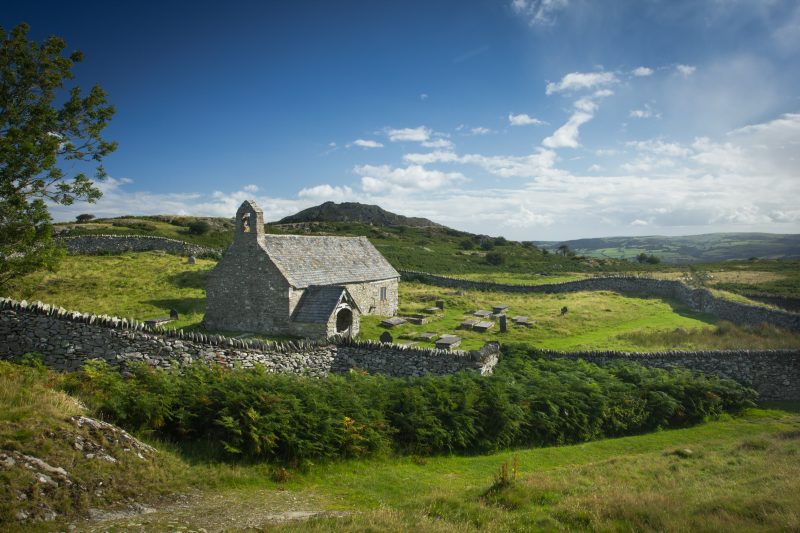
(356, 212)
(708, 248)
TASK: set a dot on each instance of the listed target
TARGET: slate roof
(307, 260)
(317, 303)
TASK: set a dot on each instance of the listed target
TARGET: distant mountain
(356, 212)
(692, 248)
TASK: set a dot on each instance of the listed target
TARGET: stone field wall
(68, 338)
(701, 300)
(775, 374)
(115, 244)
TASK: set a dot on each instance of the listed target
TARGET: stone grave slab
(447, 342)
(502, 308)
(432, 310)
(468, 324)
(393, 321)
(483, 326)
(427, 336)
(482, 313)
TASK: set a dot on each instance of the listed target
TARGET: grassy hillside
(147, 285)
(707, 248)
(728, 474)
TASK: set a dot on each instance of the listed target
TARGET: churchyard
(147, 285)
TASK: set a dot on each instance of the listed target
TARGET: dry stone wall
(775, 374)
(68, 338)
(701, 300)
(115, 244)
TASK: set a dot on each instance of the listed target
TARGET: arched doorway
(344, 321)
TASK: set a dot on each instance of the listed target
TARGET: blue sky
(542, 120)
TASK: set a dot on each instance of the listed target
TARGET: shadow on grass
(193, 279)
(183, 306)
(790, 406)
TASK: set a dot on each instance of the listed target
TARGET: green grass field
(735, 474)
(130, 285)
(730, 474)
(147, 285)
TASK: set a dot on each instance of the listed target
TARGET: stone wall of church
(368, 296)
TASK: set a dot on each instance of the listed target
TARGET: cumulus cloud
(685, 70)
(419, 134)
(326, 192)
(540, 163)
(367, 143)
(581, 80)
(250, 188)
(747, 180)
(523, 119)
(642, 71)
(480, 130)
(538, 12)
(439, 142)
(384, 178)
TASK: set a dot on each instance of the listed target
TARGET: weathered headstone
(564, 310)
(173, 314)
(386, 337)
(503, 325)
(192, 260)
(440, 304)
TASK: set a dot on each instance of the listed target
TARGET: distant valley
(709, 248)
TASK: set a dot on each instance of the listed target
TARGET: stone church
(308, 286)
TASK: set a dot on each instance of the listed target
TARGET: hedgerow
(257, 415)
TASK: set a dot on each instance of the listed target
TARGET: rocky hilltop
(356, 212)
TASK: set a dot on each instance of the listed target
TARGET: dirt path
(236, 509)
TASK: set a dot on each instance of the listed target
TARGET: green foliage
(495, 258)
(135, 224)
(649, 259)
(255, 414)
(199, 227)
(85, 217)
(38, 137)
(26, 238)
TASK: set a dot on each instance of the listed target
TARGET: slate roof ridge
(307, 260)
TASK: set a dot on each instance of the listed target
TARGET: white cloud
(439, 142)
(326, 192)
(538, 12)
(747, 180)
(657, 146)
(642, 71)
(419, 134)
(581, 80)
(383, 178)
(523, 119)
(480, 130)
(367, 143)
(646, 112)
(250, 188)
(423, 96)
(540, 163)
(686, 70)
(432, 157)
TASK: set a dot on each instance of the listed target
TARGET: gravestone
(386, 337)
(173, 314)
(192, 260)
(503, 325)
(564, 310)
(440, 304)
